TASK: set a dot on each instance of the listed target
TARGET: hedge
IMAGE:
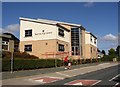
(28, 64)
(108, 58)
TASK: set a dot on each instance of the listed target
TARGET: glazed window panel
(61, 32)
(5, 47)
(28, 48)
(61, 47)
(28, 33)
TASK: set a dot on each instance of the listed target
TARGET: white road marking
(45, 77)
(114, 77)
(62, 74)
(41, 80)
(54, 77)
(69, 82)
(96, 82)
(115, 84)
(79, 83)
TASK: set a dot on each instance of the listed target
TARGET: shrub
(108, 58)
(6, 54)
(23, 55)
(28, 64)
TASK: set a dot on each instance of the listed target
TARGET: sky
(100, 18)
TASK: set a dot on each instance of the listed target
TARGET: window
(5, 45)
(94, 41)
(28, 33)
(61, 32)
(4, 42)
(61, 47)
(91, 49)
(91, 38)
(28, 48)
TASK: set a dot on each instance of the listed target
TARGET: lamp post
(12, 61)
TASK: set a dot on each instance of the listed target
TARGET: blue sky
(100, 18)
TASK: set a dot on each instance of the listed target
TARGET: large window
(61, 47)
(75, 41)
(28, 33)
(28, 48)
(61, 32)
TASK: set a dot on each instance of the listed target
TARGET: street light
(12, 60)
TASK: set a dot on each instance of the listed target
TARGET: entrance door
(75, 50)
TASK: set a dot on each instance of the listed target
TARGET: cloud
(12, 28)
(0, 31)
(89, 4)
(110, 37)
(107, 41)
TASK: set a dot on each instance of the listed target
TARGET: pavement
(51, 75)
(17, 74)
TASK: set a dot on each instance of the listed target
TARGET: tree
(103, 51)
(98, 50)
(111, 52)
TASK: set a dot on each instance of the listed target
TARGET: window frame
(94, 41)
(28, 33)
(29, 49)
(91, 38)
(61, 47)
(61, 32)
(5, 43)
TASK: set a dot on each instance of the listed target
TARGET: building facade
(40, 36)
(90, 45)
(9, 42)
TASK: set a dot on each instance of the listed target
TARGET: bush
(28, 64)
(108, 58)
(23, 55)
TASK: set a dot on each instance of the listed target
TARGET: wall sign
(43, 33)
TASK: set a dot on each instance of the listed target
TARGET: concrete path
(17, 74)
(56, 76)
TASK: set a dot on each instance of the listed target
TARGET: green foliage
(28, 64)
(103, 51)
(111, 52)
(108, 58)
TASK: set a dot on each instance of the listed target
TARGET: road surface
(103, 74)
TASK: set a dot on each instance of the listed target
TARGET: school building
(40, 36)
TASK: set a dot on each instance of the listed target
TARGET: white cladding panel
(39, 31)
(50, 32)
(88, 39)
(66, 37)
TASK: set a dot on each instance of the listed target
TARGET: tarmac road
(106, 77)
(102, 74)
